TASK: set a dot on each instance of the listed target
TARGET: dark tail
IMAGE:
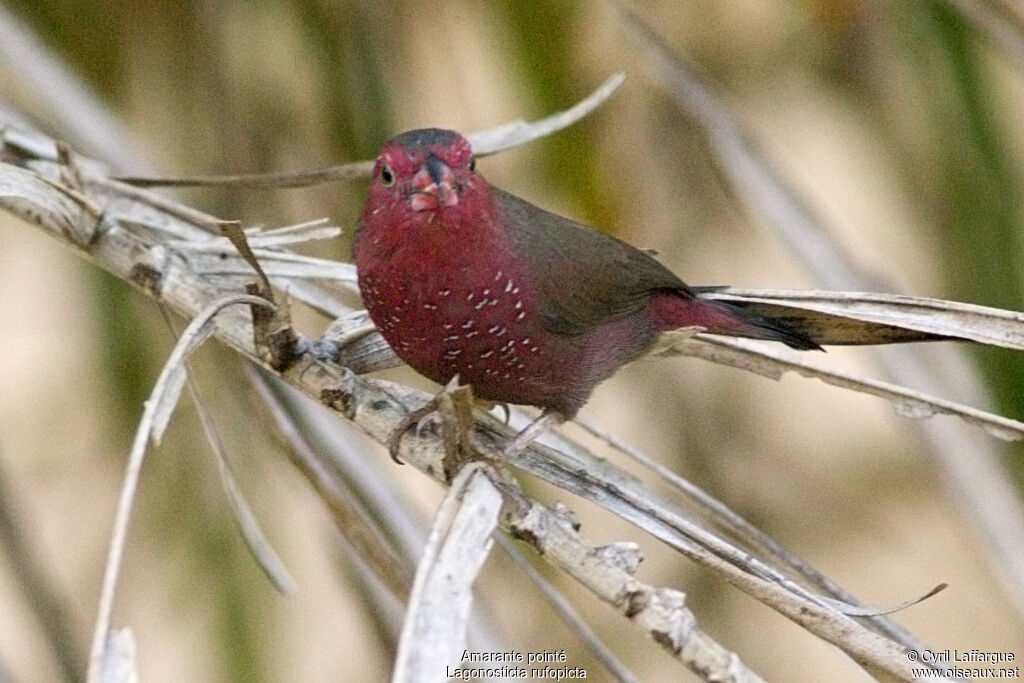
(719, 317)
(734, 321)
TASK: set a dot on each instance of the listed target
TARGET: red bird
(523, 305)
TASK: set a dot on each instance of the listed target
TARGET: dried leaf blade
(873, 318)
(434, 633)
(143, 434)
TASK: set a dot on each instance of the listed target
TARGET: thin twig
(484, 142)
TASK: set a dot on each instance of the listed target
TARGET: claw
(428, 423)
(412, 419)
(409, 420)
(452, 408)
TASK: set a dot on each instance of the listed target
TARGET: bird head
(426, 169)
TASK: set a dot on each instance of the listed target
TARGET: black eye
(387, 176)
(472, 163)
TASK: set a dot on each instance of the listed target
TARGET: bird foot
(451, 410)
(423, 419)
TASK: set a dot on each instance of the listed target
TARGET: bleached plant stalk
(146, 255)
(484, 143)
(434, 633)
(163, 271)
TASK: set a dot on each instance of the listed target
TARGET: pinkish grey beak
(433, 186)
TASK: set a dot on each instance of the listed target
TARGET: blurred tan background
(899, 123)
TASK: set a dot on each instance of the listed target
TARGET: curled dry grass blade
(163, 398)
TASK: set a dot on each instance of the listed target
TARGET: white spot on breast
(497, 276)
(487, 354)
(508, 287)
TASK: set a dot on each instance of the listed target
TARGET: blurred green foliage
(978, 185)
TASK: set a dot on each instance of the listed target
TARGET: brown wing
(583, 276)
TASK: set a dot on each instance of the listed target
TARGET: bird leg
(452, 409)
(548, 419)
